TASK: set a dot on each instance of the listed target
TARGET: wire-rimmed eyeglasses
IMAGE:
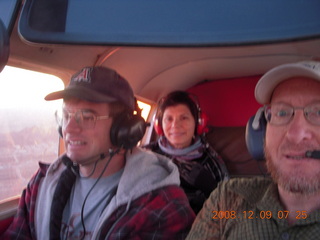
(84, 118)
(281, 113)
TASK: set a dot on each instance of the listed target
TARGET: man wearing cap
(103, 186)
(286, 205)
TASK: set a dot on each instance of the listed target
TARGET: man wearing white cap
(287, 205)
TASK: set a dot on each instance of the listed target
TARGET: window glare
(28, 132)
(145, 109)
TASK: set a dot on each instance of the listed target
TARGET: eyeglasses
(281, 114)
(84, 118)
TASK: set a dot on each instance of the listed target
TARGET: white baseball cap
(273, 77)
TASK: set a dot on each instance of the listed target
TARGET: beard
(298, 181)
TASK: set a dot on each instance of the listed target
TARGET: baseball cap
(97, 84)
(268, 82)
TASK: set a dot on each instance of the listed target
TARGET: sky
(22, 101)
(24, 89)
(27, 89)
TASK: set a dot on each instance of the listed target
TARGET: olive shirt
(249, 209)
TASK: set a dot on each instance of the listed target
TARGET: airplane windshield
(156, 23)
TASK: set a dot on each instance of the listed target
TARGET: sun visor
(169, 23)
(4, 45)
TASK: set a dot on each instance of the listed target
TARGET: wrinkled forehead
(297, 90)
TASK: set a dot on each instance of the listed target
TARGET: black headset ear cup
(127, 130)
(255, 135)
(60, 131)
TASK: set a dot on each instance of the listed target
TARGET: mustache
(302, 147)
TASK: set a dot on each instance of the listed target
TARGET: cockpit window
(28, 131)
(169, 23)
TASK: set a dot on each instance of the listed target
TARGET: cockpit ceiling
(154, 71)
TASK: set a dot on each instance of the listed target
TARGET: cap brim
(271, 79)
(80, 93)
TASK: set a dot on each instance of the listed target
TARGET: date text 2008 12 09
(256, 215)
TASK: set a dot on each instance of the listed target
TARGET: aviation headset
(127, 129)
(181, 97)
(255, 135)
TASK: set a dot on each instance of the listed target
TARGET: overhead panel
(169, 23)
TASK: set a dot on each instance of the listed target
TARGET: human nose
(71, 123)
(298, 128)
(176, 122)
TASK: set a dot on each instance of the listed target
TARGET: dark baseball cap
(97, 84)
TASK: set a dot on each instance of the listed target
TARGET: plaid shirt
(250, 209)
(160, 214)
